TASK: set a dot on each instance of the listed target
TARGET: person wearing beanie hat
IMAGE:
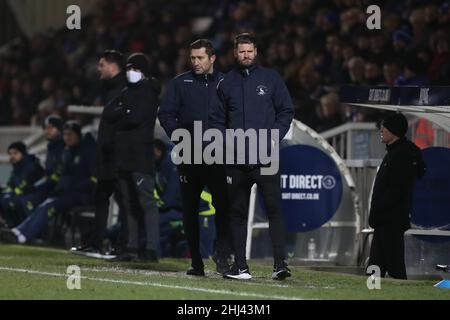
(402, 35)
(74, 126)
(138, 68)
(133, 115)
(397, 124)
(53, 121)
(26, 171)
(392, 196)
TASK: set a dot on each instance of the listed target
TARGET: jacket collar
(118, 80)
(246, 71)
(394, 145)
(205, 77)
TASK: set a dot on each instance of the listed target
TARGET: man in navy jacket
(256, 98)
(26, 171)
(191, 97)
(53, 128)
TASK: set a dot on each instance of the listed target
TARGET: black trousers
(388, 251)
(141, 211)
(193, 180)
(105, 189)
(240, 180)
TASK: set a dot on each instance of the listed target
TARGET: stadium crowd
(315, 45)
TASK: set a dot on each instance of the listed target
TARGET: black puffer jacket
(392, 191)
(133, 115)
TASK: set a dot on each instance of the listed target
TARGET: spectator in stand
(329, 112)
(391, 71)
(356, 70)
(413, 74)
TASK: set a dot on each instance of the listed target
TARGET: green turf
(166, 280)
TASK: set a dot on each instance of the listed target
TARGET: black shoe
(126, 256)
(87, 251)
(7, 236)
(199, 272)
(281, 271)
(237, 273)
(222, 263)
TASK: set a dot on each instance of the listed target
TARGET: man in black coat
(133, 115)
(392, 196)
(110, 68)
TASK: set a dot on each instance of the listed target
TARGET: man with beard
(254, 97)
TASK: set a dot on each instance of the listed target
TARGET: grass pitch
(41, 273)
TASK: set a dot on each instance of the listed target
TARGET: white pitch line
(179, 275)
(211, 275)
(160, 285)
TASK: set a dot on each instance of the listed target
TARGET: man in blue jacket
(74, 188)
(26, 171)
(189, 98)
(254, 97)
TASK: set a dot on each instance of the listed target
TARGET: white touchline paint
(211, 275)
(139, 283)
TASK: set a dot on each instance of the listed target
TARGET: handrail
(347, 127)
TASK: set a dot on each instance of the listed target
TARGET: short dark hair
(19, 146)
(244, 38)
(203, 43)
(114, 56)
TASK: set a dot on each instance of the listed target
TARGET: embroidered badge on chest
(262, 90)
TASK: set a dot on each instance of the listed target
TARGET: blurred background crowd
(315, 45)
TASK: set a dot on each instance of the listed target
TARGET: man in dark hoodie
(392, 196)
(26, 171)
(110, 68)
(133, 115)
(74, 188)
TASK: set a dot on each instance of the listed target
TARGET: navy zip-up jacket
(25, 173)
(78, 171)
(53, 165)
(53, 160)
(189, 97)
(254, 98)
